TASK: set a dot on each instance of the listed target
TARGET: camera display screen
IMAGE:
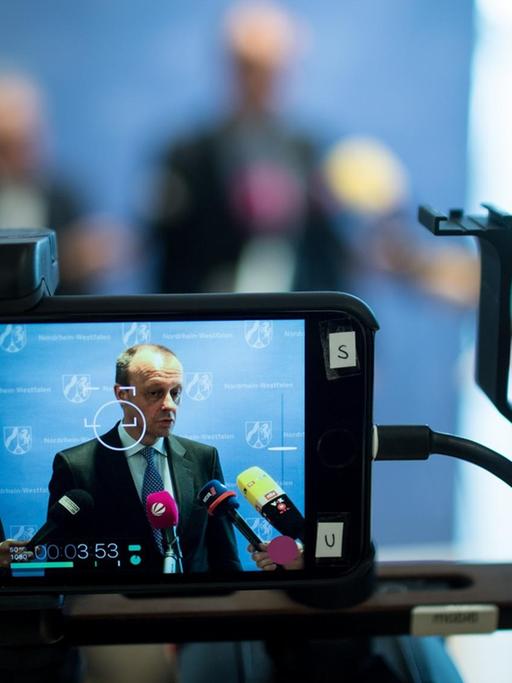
(124, 441)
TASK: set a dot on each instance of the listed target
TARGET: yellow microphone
(269, 499)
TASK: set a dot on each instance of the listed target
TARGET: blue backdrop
(243, 393)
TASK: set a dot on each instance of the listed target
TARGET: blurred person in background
(33, 196)
(237, 207)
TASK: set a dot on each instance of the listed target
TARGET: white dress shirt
(137, 462)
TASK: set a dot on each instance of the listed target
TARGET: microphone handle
(40, 536)
(288, 525)
(173, 549)
(249, 534)
(245, 529)
(291, 523)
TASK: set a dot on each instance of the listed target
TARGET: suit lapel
(118, 483)
(183, 479)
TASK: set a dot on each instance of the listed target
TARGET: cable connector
(402, 442)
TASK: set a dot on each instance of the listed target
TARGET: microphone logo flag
(69, 504)
(158, 509)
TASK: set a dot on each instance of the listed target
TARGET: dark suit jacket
(207, 543)
(196, 233)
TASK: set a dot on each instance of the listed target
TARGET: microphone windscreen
(73, 505)
(162, 510)
(216, 497)
(71, 512)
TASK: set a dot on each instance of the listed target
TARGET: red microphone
(162, 513)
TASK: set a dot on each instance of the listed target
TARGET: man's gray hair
(125, 358)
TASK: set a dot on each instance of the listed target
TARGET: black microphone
(269, 499)
(219, 500)
(70, 511)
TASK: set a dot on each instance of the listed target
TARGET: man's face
(157, 380)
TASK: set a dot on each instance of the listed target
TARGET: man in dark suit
(241, 197)
(139, 456)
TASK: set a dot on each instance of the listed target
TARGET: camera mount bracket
(494, 235)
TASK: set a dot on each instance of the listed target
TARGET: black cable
(417, 442)
(470, 451)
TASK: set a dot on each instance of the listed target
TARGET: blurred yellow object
(365, 176)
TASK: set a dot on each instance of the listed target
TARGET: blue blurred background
(120, 78)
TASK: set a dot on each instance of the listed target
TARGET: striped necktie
(151, 484)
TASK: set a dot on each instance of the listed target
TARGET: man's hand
(7, 550)
(263, 561)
